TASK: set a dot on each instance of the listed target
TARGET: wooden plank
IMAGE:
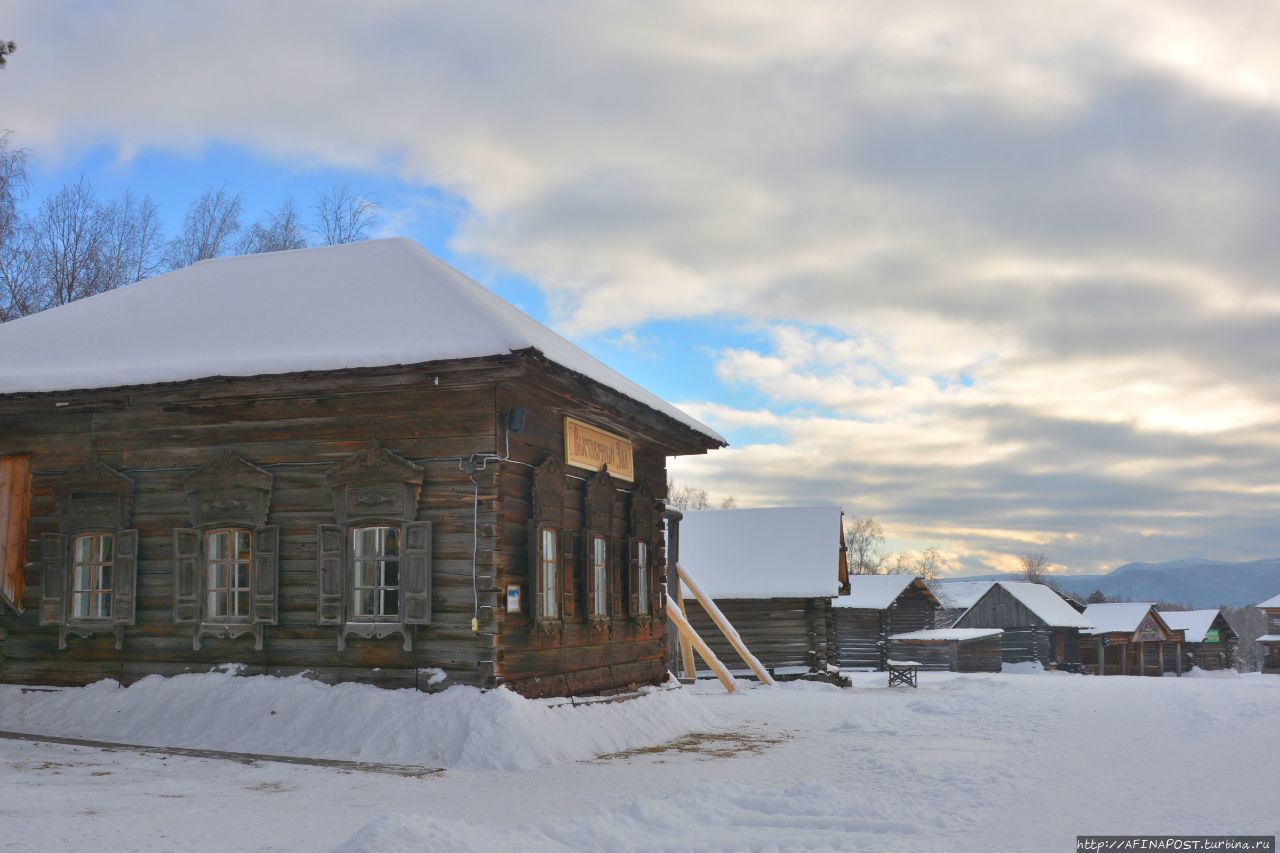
(676, 615)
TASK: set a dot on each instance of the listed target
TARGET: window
(93, 559)
(599, 576)
(548, 574)
(376, 560)
(642, 577)
(228, 557)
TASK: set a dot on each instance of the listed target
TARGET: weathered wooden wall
(1026, 637)
(980, 655)
(861, 634)
(781, 632)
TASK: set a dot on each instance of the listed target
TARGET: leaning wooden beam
(686, 647)
(676, 615)
(730, 633)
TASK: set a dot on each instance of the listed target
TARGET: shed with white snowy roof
(351, 461)
(1038, 623)
(1270, 641)
(773, 572)
(1130, 639)
(1209, 641)
(875, 607)
(950, 649)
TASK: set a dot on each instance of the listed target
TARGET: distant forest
(75, 244)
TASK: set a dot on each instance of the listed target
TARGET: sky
(999, 274)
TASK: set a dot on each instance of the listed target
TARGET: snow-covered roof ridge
(876, 592)
(1273, 601)
(768, 552)
(376, 303)
(1042, 600)
(929, 635)
(1123, 617)
(1195, 623)
(959, 594)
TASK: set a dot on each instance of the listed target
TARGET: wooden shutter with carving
(53, 579)
(266, 574)
(329, 574)
(186, 576)
(415, 574)
(124, 592)
(568, 573)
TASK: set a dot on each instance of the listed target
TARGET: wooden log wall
(781, 632)
(859, 636)
(296, 428)
(981, 655)
(910, 611)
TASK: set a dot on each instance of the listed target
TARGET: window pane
(243, 545)
(390, 602)
(106, 545)
(367, 573)
(218, 576)
(642, 587)
(366, 541)
(391, 573)
(84, 549)
(242, 603)
(104, 578)
(598, 550)
(642, 553)
(218, 547)
(363, 601)
(82, 577)
(391, 542)
(216, 604)
(80, 606)
(104, 606)
(242, 575)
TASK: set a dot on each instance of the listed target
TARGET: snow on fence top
(874, 592)
(1196, 623)
(1274, 601)
(1046, 604)
(377, 303)
(1115, 618)
(777, 552)
(938, 635)
(959, 595)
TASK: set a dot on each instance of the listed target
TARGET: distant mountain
(1194, 582)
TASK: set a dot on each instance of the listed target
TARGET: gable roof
(877, 592)
(377, 303)
(1043, 602)
(1121, 618)
(775, 552)
(1272, 602)
(1195, 623)
(959, 595)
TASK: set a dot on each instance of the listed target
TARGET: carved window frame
(550, 495)
(228, 493)
(645, 532)
(601, 499)
(93, 499)
(375, 487)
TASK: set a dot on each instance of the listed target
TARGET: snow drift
(461, 727)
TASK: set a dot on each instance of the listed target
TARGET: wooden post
(686, 647)
(1124, 659)
(676, 615)
(1102, 657)
(730, 633)
(683, 648)
(1178, 647)
(1160, 655)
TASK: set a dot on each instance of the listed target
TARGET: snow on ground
(967, 763)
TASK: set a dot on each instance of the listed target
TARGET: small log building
(1209, 641)
(773, 573)
(1270, 641)
(956, 597)
(349, 461)
(950, 649)
(1038, 623)
(1129, 639)
(876, 607)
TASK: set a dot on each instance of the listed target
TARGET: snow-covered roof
(941, 634)
(959, 595)
(1196, 623)
(777, 552)
(1045, 603)
(1112, 618)
(377, 303)
(1274, 601)
(874, 592)
(1269, 638)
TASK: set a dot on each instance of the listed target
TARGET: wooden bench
(903, 672)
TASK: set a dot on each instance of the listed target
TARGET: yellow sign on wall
(587, 447)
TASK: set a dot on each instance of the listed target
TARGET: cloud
(1014, 263)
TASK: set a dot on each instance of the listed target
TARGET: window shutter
(266, 574)
(124, 592)
(15, 511)
(53, 579)
(568, 571)
(186, 576)
(633, 577)
(329, 574)
(615, 575)
(415, 574)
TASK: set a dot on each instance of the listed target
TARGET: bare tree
(13, 183)
(278, 231)
(134, 239)
(1035, 567)
(928, 564)
(70, 245)
(343, 217)
(211, 221)
(864, 539)
(20, 283)
(693, 498)
(7, 48)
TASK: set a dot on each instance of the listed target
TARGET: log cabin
(1270, 641)
(955, 597)
(1129, 639)
(772, 572)
(1038, 623)
(1209, 641)
(950, 649)
(349, 461)
(875, 607)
